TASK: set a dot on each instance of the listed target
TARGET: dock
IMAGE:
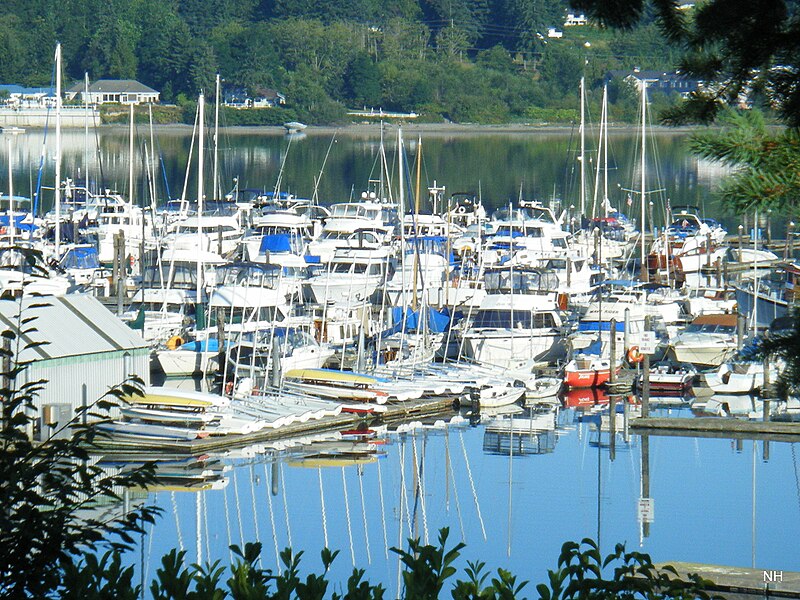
(711, 427)
(734, 583)
(395, 413)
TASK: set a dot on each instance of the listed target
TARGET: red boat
(587, 372)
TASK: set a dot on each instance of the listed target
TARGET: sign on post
(648, 343)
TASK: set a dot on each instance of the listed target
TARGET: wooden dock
(712, 427)
(734, 583)
(396, 413)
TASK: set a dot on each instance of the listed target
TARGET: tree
(362, 82)
(49, 489)
(736, 47)
(765, 163)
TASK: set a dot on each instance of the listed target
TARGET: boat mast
(215, 196)
(200, 133)
(130, 160)
(583, 149)
(58, 151)
(644, 274)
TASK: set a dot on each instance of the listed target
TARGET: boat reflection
(525, 431)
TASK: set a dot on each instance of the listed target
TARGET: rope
(285, 504)
(347, 511)
(472, 486)
(322, 504)
(364, 512)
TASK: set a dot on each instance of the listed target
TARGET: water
(500, 166)
(715, 501)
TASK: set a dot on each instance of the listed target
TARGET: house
(238, 97)
(552, 32)
(120, 91)
(24, 97)
(78, 347)
(575, 20)
(665, 81)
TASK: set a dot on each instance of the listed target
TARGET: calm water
(715, 501)
(540, 164)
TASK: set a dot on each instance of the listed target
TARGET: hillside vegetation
(466, 61)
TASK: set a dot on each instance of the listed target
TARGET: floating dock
(395, 413)
(733, 583)
(712, 427)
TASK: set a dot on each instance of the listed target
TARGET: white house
(121, 91)
(575, 20)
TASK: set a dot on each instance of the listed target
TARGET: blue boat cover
(275, 242)
(600, 326)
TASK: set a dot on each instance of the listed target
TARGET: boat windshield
(184, 276)
(711, 328)
(520, 281)
(513, 319)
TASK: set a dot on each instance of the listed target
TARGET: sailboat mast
(644, 274)
(58, 151)
(200, 133)
(216, 142)
(583, 149)
(130, 160)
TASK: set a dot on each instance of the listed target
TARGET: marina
(479, 361)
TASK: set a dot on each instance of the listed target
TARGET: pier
(735, 583)
(712, 427)
(395, 413)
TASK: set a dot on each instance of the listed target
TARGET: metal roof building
(78, 346)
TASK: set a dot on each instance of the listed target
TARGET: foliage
(736, 47)
(784, 345)
(361, 53)
(765, 163)
(52, 494)
(580, 575)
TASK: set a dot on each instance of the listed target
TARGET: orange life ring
(634, 356)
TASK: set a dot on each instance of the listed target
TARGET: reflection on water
(514, 486)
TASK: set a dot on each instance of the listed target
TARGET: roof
(724, 319)
(113, 86)
(72, 325)
(18, 89)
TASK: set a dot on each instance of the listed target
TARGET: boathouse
(77, 346)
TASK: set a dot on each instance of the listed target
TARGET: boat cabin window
(184, 276)
(244, 315)
(247, 275)
(519, 281)
(517, 319)
(711, 328)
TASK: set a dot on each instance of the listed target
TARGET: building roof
(13, 88)
(113, 86)
(72, 325)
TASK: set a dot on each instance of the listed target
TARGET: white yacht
(708, 341)
(352, 276)
(518, 323)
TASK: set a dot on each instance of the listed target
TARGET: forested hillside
(486, 61)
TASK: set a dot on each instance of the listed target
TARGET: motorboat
(708, 341)
(670, 378)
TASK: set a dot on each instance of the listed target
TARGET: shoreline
(425, 128)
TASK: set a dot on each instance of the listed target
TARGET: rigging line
(449, 469)
(238, 506)
(177, 522)
(796, 473)
(347, 513)
(510, 474)
(150, 536)
(227, 521)
(205, 525)
(383, 512)
(272, 522)
(472, 485)
(360, 473)
(400, 519)
(198, 528)
(285, 503)
(322, 505)
(403, 494)
(421, 477)
(253, 497)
